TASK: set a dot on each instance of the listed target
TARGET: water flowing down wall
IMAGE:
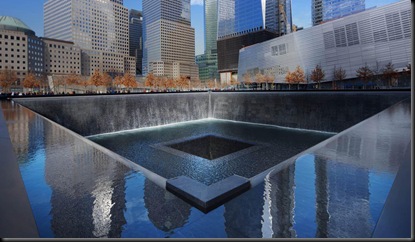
(89, 115)
(324, 111)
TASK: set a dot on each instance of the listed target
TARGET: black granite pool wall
(324, 111)
(89, 115)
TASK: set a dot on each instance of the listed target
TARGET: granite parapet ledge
(17, 220)
(207, 198)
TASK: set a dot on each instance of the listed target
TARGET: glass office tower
(136, 38)
(246, 22)
(208, 62)
(237, 17)
(325, 10)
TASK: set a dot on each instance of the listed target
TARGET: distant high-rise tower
(169, 39)
(247, 22)
(324, 10)
(136, 38)
(99, 28)
(208, 62)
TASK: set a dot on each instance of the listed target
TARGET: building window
(340, 36)
(274, 50)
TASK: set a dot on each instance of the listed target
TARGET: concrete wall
(325, 111)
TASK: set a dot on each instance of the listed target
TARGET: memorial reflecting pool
(336, 189)
(76, 190)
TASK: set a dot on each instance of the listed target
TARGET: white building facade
(373, 37)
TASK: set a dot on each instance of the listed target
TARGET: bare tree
(339, 74)
(377, 72)
(364, 73)
(317, 75)
(407, 70)
(389, 73)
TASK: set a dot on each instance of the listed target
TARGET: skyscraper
(324, 10)
(208, 62)
(169, 39)
(247, 22)
(136, 38)
(99, 28)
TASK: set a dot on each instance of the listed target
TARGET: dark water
(265, 146)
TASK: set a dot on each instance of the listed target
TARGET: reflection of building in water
(24, 129)
(166, 211)
(345, 184)
(243, 214)
(348, 201)
(321, 198)
(379, 149)
(282, 203)
(88, 188)
(322, 214)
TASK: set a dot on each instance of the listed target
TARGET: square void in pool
(207, 162)
(210, 146)
(209, 150)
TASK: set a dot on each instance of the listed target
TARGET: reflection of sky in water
(305, 196)
(39, 193)
(379, 186)
(136, 215)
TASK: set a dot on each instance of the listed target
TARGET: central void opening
(210, 147)
(209, 150)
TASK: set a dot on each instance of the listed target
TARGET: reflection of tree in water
(166, 211)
